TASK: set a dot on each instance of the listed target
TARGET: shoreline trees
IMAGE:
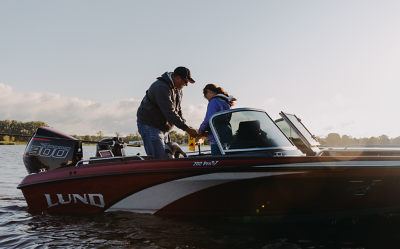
(20, 128)
(28, 128)
(335, 140)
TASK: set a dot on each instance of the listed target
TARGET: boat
(263, 175)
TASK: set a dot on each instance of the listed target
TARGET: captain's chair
(249, 135)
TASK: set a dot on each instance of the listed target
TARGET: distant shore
(12, 143)
(84, 144)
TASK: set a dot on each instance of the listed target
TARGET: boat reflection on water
(262, 176)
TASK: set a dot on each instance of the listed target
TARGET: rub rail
(373, 145)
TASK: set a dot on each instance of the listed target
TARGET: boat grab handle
(107, 158)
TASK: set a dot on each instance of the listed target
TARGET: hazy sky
(84, 66)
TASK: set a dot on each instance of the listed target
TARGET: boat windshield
(290, 133)
(299, 128)
(244, 129)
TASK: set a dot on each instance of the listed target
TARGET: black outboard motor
(50, 149)
(114, 145)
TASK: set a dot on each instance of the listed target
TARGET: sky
(84, 66)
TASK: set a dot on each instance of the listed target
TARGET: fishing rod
(67, 139)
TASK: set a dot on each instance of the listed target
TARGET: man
(161, 109)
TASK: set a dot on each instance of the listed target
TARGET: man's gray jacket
(161, 107)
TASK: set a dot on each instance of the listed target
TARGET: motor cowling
(49, 149)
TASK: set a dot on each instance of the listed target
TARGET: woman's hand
(199, 134)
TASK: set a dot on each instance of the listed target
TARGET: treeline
(335, 140)
(100, 136)
(20, 128)
(175, 137)
(28, 128)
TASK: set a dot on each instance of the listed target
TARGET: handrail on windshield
(107, 158)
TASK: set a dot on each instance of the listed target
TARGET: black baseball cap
(184, 73)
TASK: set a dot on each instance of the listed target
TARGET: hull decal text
(198, 164)
(48, 150)
(359, 189)
(94, 199)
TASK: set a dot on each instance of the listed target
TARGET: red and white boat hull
(260, 188)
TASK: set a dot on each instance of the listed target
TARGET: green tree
(132, 137)
(21, 128)
(384, 139)
(128, 138)
(396, 141)
(100, 135)
(333, 139)
(137, 137)
(346, 140)
(373, 141)
(173, 136)
(87, 138)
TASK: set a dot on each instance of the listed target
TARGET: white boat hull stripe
(152, 199)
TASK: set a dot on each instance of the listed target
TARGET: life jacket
(229, 100)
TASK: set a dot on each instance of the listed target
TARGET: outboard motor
(110, 147)
(50, 149)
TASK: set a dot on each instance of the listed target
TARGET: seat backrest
(249, 130)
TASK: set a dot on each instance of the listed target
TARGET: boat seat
(249, 135)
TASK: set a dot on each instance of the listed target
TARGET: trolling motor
(109, 147)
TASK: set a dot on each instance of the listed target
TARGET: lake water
(21, 229)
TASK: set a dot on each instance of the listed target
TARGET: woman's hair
(214, 88)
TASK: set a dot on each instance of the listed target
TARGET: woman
(218, 100)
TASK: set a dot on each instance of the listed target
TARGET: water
(21, 229)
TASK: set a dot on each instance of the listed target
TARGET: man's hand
(192, 132)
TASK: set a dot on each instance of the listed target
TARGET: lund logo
(48, 150)
(359, 189)
(99, 201)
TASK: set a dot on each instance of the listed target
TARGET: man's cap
(184, 73)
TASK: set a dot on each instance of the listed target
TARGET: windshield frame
(223, 152)
(308, 143)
